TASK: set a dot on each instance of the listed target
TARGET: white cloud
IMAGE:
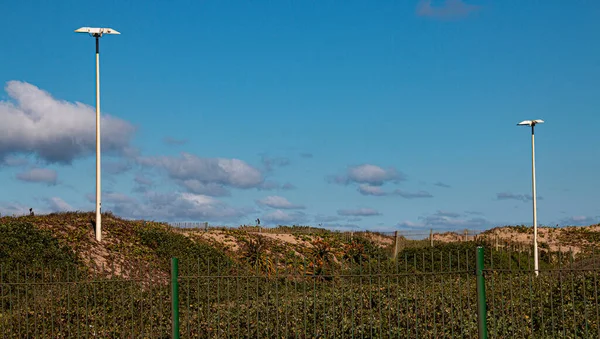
(445, 220)
(413, 195)
(43, 175)
(206, 175)
(231, 172)
(175, 207)
(512, 196)
(368, 174)
(210, 188)
(13, 208)
(360, 212)
(281, 217)
(365, 189)
(580, 220)
(275, 201)
(56, 204)
(56, 131)
(12, 161)
(111, 198)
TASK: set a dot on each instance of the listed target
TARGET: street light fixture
(532, 123)
(97, 33)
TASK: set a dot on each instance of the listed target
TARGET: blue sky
(356, 114)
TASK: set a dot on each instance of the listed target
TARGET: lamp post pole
(534, 198)
(98, 167)
(97, 33)
(532, 124)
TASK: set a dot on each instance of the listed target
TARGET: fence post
(497, 245)
(175, 297)
(481, 299)
(431, 237)
(395, 244)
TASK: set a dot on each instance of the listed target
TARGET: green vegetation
(23, 244)
(56, 281)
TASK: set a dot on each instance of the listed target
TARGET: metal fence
(420, 294)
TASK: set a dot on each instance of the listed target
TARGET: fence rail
(420, 294)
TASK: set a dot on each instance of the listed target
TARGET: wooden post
(431, 237)
(395, 244)
(496, 235)
(466, 235)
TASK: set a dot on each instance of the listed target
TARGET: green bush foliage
(337, 287)
(23, 244)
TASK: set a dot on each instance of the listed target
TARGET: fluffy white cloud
(580, 220)
(13, 208)
(56, 204)
(56, 131)
(12, 161)
(197, 173)
(365, 189)
(111, 198)
(43, 175)
(444, 220)
(368, 174)
(359, 212)
(205, 188)
(174, 207)
(275, 201)
(281, 217)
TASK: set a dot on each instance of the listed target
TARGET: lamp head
(530, 122)
(96, 31)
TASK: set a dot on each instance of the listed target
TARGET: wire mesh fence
(560, 302)
(422, 293)
(66, 302)
(374, 299)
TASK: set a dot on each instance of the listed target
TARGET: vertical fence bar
(175, 297)
(431, 238)
(481, 306)
(396, 239)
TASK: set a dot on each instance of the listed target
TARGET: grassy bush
(23, 244)
(164, 243)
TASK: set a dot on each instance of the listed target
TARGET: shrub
(23, 244)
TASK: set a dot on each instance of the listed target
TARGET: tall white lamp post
(97, 33)
(532, 123)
